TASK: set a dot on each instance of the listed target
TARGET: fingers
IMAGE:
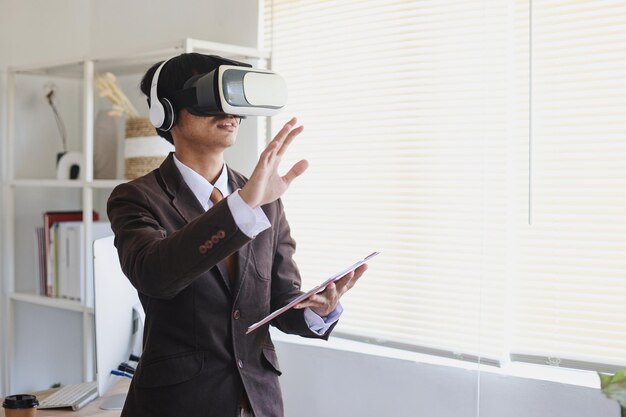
(358, 273)
(272, 147)
(322, 303)
(347, 281)
(278, 146)
(296, 170)
(290, 137)
(283, 133)
(269, 153)
(287, 134)
(305, 304)
(329, 297)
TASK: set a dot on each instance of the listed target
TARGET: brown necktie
(231, 261)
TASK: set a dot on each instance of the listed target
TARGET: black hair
(174, 74)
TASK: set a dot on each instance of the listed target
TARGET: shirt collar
(199, 185)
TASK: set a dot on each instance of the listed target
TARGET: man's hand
(265, 185)
(323, 303)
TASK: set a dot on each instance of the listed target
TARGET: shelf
(59, 303)
(139, 61)
(48, 183)
(72, 69)
(106, 183)
(21, 204)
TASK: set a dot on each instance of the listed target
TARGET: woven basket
(139, 126)
(144, 150)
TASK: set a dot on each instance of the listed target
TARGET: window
(570, 268)
(417, 123)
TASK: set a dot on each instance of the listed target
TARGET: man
(210, 253)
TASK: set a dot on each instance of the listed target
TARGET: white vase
(105, 138)
(144, 150)
(70, 166)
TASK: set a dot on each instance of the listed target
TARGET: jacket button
(240, 363)
(236, 314)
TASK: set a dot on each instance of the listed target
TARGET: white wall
(143, 24)
(319, 380)
(36, 31)
(42, 31)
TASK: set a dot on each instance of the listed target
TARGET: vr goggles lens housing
(233, 89)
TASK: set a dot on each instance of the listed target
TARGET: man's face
(214, 133)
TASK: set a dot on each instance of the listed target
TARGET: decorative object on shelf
(121, 105)
(70, 166)
(105, 145)
(614, 387)
(144, 150)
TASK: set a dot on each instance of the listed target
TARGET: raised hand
(265, 184)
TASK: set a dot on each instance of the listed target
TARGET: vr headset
(232, 88)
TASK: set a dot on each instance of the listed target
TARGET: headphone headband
(159, 107)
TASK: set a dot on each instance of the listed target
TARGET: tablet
(312, 291)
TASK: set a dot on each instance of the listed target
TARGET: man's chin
(228, 142)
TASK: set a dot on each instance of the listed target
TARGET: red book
(49, 219)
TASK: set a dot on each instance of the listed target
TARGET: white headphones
(162, 114)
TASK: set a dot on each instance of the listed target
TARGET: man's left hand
(323, 303)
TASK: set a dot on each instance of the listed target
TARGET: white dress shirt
(250, 221)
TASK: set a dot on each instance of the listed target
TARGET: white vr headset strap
(157, 109)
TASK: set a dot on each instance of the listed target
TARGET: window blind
(570, 261)
(405, 113)
(481, 147)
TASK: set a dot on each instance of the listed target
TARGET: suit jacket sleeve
(161, 265)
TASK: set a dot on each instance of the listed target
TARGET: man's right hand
(265, 184)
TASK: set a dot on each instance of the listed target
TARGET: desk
(91, 409)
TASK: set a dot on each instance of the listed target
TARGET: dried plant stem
(107, 87)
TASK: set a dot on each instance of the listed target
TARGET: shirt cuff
(320, 325)
(250, 221)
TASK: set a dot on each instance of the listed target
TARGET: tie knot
(216, 196)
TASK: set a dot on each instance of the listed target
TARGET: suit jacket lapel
(185, 202)
(183, 199)
(236, 181)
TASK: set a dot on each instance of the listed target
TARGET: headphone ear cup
(169, 115)
(156, 113)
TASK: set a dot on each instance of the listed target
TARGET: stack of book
(61, 247)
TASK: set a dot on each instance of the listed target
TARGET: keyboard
(72, 395)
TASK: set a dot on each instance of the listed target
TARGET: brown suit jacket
(197, 360)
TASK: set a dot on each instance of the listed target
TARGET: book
(67, 250)
(41, 260)
(74, 283)
(49, 219)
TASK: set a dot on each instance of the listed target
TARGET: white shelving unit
(47, 193)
